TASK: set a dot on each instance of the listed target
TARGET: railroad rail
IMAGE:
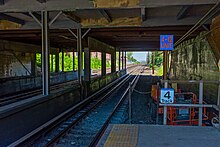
(104, 127)
(77, 117)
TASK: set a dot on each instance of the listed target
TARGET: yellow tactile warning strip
(122, 136)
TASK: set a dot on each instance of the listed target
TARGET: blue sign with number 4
(167, 95)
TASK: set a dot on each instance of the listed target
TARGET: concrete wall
(214, 38)
(11, 63)
(16, 84)
(12, 54)
(194, 60)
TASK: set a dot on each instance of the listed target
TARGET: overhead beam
(183, 12)
(72, 16)
(42, 1)
(141, 44)
(38, 16)
(97, 45)
(11, 18)
(105, 14)
(65, 5)
(161, 3)
(134, 49)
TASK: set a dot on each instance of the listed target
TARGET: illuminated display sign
(166, 42)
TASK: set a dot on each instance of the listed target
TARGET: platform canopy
(130, 24)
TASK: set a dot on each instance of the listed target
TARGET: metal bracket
(55, 18)
(35, 18)
(73, 33)
(86, 33)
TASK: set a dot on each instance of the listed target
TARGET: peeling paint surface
(7, 25)
(115, 3)
(10, 66)
(125, 21)
(97, 45)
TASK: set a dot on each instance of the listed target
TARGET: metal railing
(200, 105)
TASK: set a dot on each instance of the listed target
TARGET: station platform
(125, 135)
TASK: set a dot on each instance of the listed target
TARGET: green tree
(129, 56)
(158, 57)
(38, 60)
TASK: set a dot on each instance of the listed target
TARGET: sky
(140, 56)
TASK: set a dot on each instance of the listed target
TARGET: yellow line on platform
(122, 136)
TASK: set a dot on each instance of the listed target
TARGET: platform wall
(17, 84)
(15, 64)
(18, 120)
(195, 60)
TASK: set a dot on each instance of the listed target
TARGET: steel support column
(200, 102)
(33, 64)
(51, 58)
(218, 104)
(168, 61)
(73, 60)
(165, 65)
(62, 61)
(165, 107)
(103, 63)
(113, 62)
(87, 65)
(79, 50)
(125, 59)
(122, 60)
(148, 58)
(119, 59)
(45, 54)
(152, 58)
(57, 62)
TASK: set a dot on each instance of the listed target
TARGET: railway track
(85, 125)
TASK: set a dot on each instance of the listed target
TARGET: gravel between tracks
(141, 113)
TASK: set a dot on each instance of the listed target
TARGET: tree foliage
(68, 62)
(131, 58)
(158, 58)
